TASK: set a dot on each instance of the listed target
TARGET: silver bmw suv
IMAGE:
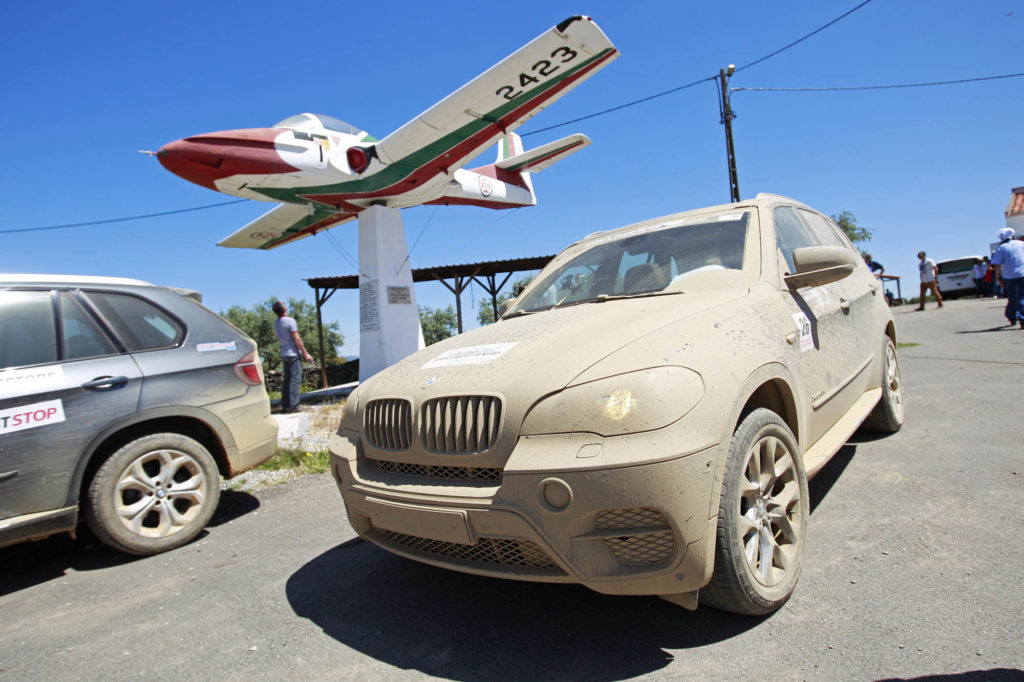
(123, 403)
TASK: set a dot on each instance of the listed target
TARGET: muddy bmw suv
(645, 417)
(123, 403)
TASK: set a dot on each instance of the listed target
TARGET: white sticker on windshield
(18, 382)
(31, 416)
(804, 325)
(474, 355)
(729, 216)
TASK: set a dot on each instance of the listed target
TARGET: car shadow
(35, 562)
(233, 504)
(465, 627)
(820, 485)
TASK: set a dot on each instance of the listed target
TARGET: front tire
(887, 417)
(156, 493)
(762, 519)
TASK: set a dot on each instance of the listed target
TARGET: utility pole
(727, 116)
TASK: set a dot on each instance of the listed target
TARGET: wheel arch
(199, 425)
(770, 386)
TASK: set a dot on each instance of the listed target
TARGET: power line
(800, 40)
(702, 80)
(121, 220)
(622, 106)
(879, 87)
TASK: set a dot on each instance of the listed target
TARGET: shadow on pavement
(820, 485)
(35, 562)
(992, 675)
(465, 627)
(233, 504)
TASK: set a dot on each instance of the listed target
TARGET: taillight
(249, 369)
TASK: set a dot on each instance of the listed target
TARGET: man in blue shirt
(291, 345)
(1008, 262)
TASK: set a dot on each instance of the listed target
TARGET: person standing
(1008, 262)
(929, 272)
(291, 362)
(978, 275)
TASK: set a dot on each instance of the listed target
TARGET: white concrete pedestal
(389, 321)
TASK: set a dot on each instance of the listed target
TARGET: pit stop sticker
(22, 382)
(31, 416)
(804, 326)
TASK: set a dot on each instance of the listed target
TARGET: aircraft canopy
(309, 122)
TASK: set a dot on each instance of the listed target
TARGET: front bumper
(616, 528)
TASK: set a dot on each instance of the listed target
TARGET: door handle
(844, 304)
(875, 286)
(105, 383)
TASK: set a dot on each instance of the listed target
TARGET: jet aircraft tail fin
(543, 156)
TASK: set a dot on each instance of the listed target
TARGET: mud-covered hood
(525, 358)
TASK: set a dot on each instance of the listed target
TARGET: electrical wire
(702, 80)
(121, 220)
(879, 87)
(800, 40)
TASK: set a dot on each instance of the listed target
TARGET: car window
(81, 335)
(28, 335)
(794, 233)
(824, 232)
(949, 267)
(643, 263)
(141, 324)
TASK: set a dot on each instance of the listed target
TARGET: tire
(762, 519)
(153, 494)
(887, 417)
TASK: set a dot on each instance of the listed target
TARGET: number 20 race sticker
(31, 416)
(804, 325)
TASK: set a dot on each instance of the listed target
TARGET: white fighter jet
(324, 172)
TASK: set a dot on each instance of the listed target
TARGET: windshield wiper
(601, 298)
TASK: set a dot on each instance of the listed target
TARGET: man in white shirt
(1008, 262)
(929, 272)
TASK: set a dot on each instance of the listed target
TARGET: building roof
(442, 272)
(1016, 205)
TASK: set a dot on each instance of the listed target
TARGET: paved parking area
(912, 570)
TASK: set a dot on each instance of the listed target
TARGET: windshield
(642, 264)
(309, 122)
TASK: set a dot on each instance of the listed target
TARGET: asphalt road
(913, 570)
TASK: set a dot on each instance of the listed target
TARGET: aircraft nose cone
(204, 159)
(190, 160)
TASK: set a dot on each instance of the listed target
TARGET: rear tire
(156, 493)
(887, 417)
(762, 519)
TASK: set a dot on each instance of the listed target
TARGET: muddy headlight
(626, 403)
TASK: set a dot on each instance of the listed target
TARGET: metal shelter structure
(485, 274)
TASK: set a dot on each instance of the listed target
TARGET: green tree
(258, 322)
(848, 223)
(437, 323)
(486, 314)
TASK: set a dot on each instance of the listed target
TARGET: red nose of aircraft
(204, 159)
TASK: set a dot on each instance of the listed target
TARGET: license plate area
(447, 525)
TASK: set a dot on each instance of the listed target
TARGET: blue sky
(85, 85)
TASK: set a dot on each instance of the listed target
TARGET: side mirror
(817, 265)
(504, 306)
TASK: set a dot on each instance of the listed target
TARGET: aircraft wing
(545, 155)
(463, 124)
(283, 224)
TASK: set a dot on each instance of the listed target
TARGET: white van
(955, 276)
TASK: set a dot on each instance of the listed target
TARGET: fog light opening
(555, 494)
